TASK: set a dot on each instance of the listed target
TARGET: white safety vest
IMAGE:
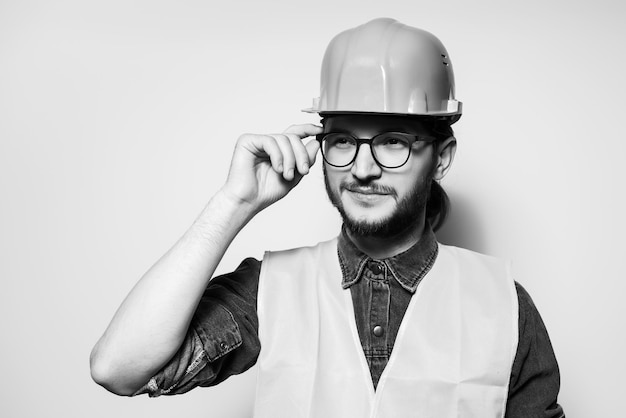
(452, 356)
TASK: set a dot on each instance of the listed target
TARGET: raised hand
(265, 168)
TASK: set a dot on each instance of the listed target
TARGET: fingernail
(280, 168)
(305, 168)
(289, 174)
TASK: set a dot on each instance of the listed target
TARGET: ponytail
(438, 206)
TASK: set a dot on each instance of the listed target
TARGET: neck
(379, 247)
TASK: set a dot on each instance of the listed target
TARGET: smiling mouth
(366, 192)
(367, 196)
(370, 191)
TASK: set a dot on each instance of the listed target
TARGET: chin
(371, 223)
(375, 211)
(382, 220)
(379, 217)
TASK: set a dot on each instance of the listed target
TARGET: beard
(409, 211)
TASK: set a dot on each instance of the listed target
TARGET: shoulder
(302, 252)
(316, 261)
(464, 253)
(483, 266)
(535, 378)
(529, 318)
(236, 290)
(534, 346)
(530, 323)
(524, 298)
(526, 304)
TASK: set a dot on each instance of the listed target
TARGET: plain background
(117, 121)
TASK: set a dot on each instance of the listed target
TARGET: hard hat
(385, 66)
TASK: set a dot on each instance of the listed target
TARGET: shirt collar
(408, 267)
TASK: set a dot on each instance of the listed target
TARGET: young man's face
(377, 201)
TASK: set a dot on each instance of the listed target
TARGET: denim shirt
(222, 339)
(381, 291)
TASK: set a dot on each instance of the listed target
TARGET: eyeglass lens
(390, 150)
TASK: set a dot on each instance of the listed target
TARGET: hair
(438, 204)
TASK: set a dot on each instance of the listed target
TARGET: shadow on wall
(463, 227)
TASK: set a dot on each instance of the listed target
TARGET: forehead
(364, 125)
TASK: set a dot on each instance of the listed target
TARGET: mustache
(369, 188)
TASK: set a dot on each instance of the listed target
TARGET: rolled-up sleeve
(222, 339)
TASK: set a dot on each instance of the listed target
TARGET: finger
(312, 148)
(300, 152)
(289, 158)
(264, 144)
(304, 130)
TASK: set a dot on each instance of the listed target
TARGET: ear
(445, 151)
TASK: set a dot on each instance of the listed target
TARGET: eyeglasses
(389, 149)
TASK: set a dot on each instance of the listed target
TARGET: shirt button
(376, 268)
(223, 345)
(378, 331)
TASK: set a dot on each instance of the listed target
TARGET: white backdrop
(117, 120)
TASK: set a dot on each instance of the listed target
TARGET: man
(382, 321)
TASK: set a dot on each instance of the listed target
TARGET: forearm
(152, 321)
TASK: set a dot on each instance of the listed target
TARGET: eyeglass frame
(411, 137)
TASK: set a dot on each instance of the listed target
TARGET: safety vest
(452, 356)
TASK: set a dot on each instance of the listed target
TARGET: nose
(364, 166)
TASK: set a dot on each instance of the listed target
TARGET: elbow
(106, 374)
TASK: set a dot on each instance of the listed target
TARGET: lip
(366, 196)
(366, 191)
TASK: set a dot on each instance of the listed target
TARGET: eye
(340, 141)
(392, 141)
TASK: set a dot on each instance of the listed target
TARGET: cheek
(414, 179)
(421, 165)
(333, 177)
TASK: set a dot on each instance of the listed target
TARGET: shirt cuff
(202, 346)
(220, 335)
